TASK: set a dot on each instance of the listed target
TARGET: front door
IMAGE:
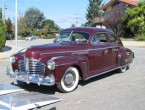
(99, 54)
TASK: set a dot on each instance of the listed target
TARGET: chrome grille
(22, 65)
(31, 66)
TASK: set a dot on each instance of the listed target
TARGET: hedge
(2, 35)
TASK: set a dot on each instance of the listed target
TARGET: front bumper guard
(31, 78)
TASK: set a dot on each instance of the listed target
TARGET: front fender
(64, 62)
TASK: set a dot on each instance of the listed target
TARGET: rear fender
(125, 56)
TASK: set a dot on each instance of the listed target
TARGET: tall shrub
(136, 19)
(2, 35)
(93, 10)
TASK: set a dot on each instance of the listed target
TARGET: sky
(62, 12)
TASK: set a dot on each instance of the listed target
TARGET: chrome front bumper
(32, 78)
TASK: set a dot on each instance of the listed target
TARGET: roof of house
(111, 2)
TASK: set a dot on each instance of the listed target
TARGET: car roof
(87, 29)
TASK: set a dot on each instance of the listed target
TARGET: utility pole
(16, 24)
(3, 11)
(76, 19)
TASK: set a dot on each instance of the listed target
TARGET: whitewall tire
(123, 69)
(69, 81)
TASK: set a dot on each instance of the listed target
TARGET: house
(123, 3)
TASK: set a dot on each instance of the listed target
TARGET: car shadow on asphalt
(53, 89)
(97, 78)
(40, 89)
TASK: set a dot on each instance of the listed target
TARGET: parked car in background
(9, 36)
(31, 37)
(87, 52)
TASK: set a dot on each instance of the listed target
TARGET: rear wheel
(123, 69)
(69, 81)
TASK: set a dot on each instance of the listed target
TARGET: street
(112, 91)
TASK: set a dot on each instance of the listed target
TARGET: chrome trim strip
(54, 58)
(76, 51)
(61, 52)
(64, 64)
(101, 73)
(101, 48)
(105, 72)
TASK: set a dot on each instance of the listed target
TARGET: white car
(31, 37)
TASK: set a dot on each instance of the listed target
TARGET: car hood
(52, 49)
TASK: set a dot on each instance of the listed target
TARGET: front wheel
(69, 81)
(123, 69)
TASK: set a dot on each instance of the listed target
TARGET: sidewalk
(10, 49)
(140, 44)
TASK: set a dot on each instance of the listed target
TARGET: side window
(95, 39)
(80, 37)
(102, 37)
(113, 39)
(99, 38)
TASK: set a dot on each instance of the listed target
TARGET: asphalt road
(112, 91)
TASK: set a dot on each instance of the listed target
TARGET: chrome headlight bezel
(51, 65)
(12, 59)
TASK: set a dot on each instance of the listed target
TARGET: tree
(2, 35)
(93, 11)
(22, 27)
(50, 25)
(73, 25)
(113, 19)
(136, 19)
(9, 26)
(34, 18)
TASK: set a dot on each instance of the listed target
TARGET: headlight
(51, 65)
(12, 59)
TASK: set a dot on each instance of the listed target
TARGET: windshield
(72, 36)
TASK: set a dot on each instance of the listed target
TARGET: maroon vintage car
(86, 52)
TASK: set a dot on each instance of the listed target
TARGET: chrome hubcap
(69, 79)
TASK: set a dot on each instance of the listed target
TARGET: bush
(50, 36)
(140, 37)
(2, 35)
